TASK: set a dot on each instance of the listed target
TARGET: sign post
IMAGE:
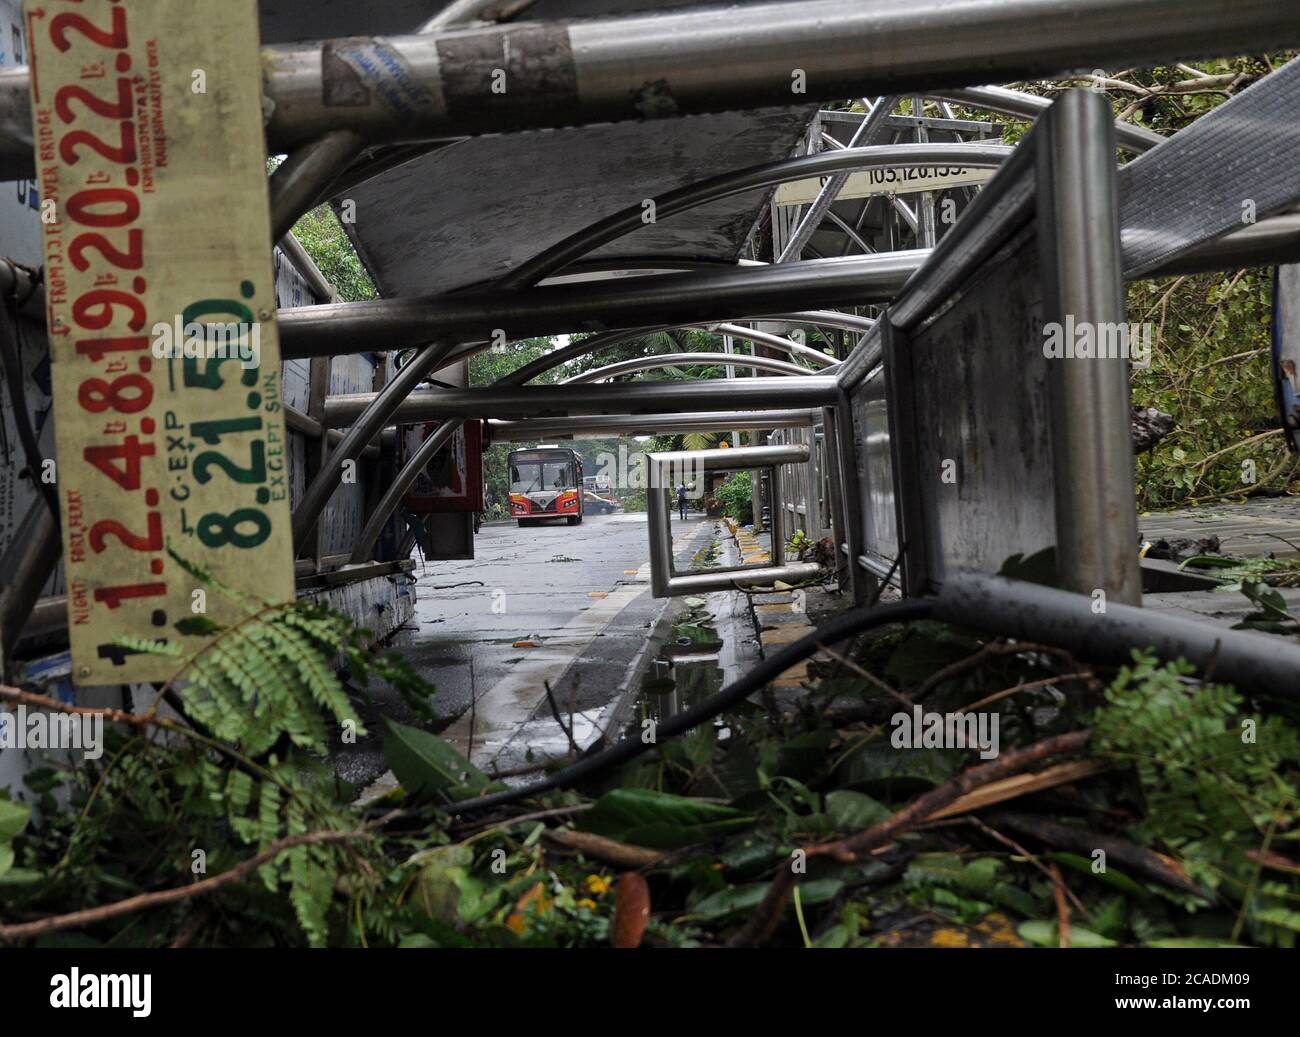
(161, 315)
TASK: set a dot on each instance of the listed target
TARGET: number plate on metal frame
(161, 308)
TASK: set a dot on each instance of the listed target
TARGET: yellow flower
(588, 903)
(598, 884)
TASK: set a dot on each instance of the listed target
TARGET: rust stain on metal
(526, 70)
(341, 86)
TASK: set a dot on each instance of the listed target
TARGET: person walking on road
(681, 499)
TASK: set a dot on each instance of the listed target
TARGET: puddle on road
(688, 667)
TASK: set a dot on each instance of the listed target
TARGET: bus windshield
(532, 476)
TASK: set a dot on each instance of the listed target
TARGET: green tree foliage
(237, 779)
(1210, 364)
(1217, 781)
(735, 496)
(323, 237)
(1210, 367)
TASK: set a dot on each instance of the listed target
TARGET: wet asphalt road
(523, 582)
(534, 580)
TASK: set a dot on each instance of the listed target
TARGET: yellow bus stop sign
(161, 308)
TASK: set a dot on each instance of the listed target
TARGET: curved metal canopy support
(763, 338)
(596, 343)
(299, 180)
(368, 425)
(645, 363)
(542, 429)
(627, 302)
(556, 258)
(551, 262)
(816, 318)
(886, 156)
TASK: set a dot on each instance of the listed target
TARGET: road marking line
(504, 708)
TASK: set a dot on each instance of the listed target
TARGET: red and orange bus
(545, 483)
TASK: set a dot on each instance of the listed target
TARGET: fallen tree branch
(1015, 847)
(762, 923)
(1084, 675)
(867, 676)
(1062, 908)
(28, 698)
(988, 651)
(144, 901)
(1021, 785)
(609, 850)
(555, 712)
(1157, 866)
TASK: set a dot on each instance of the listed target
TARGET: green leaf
(1209, 562)
(426, 764)
(853, 811)
(1110, 876)
(198, 626)
(447, 891)
(649, 818)
(1044, 934)
(13, 818)
(6, 860)
(21, 878)
(1194, 942)
(737, 899)
(879, 765)
(1278, 916)
(1039, 567)
(804, 755)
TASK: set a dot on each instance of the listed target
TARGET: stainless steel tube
(662, 299)
(1251, 661)
(1078, 227)
(648, 424)
(707, 60)
(620, 398)
(643, 363)
(715, 59)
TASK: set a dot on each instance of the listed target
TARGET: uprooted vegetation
(1096, 808)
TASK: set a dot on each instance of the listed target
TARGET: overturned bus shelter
(590, 170)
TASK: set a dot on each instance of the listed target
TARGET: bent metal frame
(948, 440)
